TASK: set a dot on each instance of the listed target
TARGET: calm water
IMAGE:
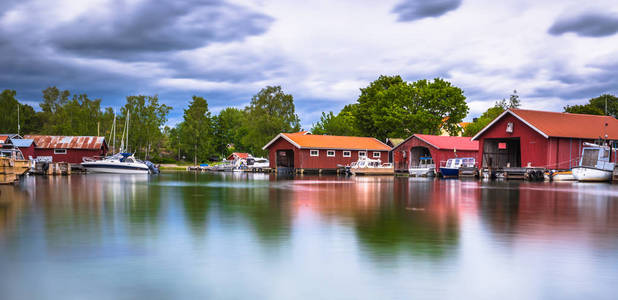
(253, 236)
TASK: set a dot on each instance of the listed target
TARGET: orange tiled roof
(302, 140)
(3, 138)
(241, 155)
(556, 124)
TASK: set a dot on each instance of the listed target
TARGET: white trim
(500, 117)
(283, 136)
(58, 151)
(317, 152)
(329, 151)
(349, 153)
(364, 152)
(373, 155)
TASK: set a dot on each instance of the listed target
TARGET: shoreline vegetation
(388, 107)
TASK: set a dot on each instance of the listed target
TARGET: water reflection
(282, 236)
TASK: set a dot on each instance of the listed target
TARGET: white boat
(426, 167)
(368, 166)
(257, 163)
(121, 163)
(452, 166)
(564, 175)
(594, 164)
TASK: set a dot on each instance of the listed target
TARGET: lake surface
(255, 236)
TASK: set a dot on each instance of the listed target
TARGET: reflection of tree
(416, 220)
(196, 203)
(499, 205)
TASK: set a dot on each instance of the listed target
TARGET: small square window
(347, 153)
(362, 153)
(330, 153)
(60, 151)
(314, 152)
(376, 154)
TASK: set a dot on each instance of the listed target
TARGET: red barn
(542, 139)
(71, 149)
(439, 148)
(307, 152)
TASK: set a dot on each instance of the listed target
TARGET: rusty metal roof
(67, 142)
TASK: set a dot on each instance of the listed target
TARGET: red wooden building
(318, 153)
(543, 139)
(71, 149)
(439, 148)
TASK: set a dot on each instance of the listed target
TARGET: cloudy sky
(554, 52)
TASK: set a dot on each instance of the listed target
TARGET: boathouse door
(285, 161)
(500, 153)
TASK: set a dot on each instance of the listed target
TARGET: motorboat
(595, 164)
(560, 175)
(257, 163)
(425, 168)
(452, 166)
(121, 163)
(368, 166)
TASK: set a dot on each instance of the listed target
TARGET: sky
(553, 52)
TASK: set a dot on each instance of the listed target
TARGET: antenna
(18, 126)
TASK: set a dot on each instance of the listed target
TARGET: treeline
(201, 136)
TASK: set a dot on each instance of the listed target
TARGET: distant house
(71, 149)
(26, 146)
(307, 152)
(439, 148)
(553, 140)
(238, 155)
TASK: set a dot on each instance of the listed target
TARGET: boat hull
(588, 174)
(113, 169)
(563, 176)
(422, 172)
(373, 171)
(449, 172)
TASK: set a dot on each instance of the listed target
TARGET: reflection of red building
(439, 148)
(541, 139)
(305, 151)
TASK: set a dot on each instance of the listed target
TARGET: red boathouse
(70, 149)
(552, 140)
(306, 152)
(439, 148)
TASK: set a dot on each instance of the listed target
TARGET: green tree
(513, 101)
(146, 118)
(196, 135)
(391, 107)
(583, 109)
(597, 106)
(230, 128)
(484, 120)
(343, 124)
(270, 112)
(10, 108)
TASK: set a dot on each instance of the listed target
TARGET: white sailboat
(595, 164)
(122, 162)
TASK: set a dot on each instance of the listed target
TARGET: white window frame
(314, 152)
(363, 152)
(330, 153)
(379, 154)
(347, 153)
(60, 151)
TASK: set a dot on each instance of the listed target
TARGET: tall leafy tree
(597, 106)
(391, 107)
(197, 133)
(12, 111)
(229, 129)
(270, 112)
(146, 119)
(492, 113)
(343, 123)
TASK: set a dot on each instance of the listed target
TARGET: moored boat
(122, 163)
(560, 175)
(425, 167)
(595, 164)
(452, 166)
(368, 166)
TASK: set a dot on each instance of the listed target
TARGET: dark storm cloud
(587, 24)
(412, 10)
(157, 26)
(575, 86)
